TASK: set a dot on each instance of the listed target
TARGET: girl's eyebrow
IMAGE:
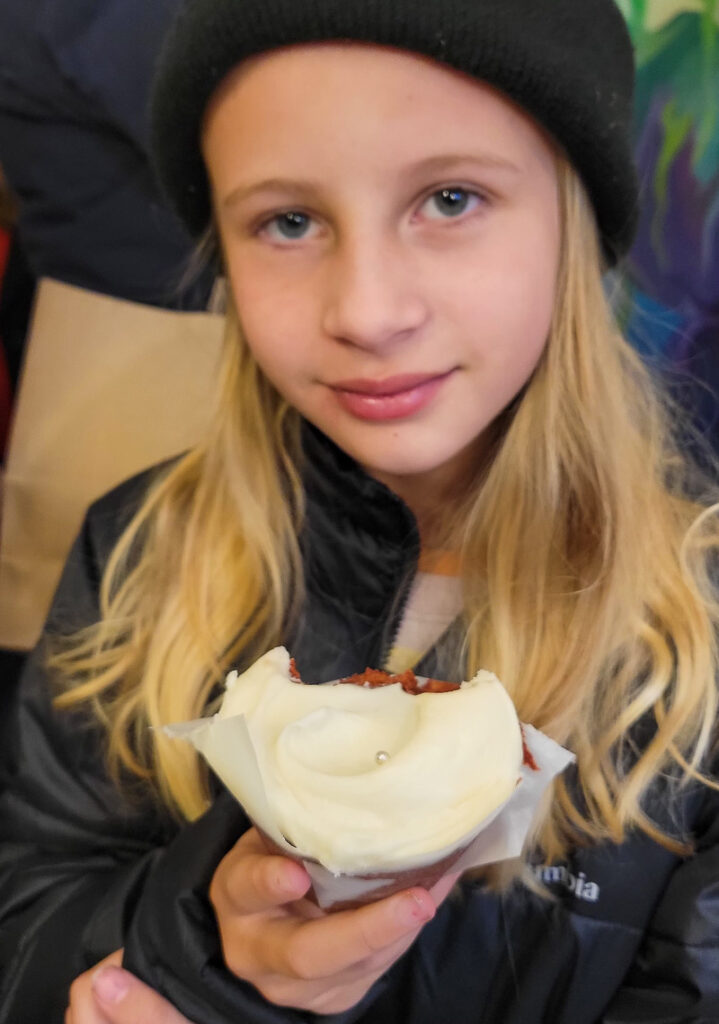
(242, 192)
(445, 162)
(433, 164)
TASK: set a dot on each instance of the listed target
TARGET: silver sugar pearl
(381, 756)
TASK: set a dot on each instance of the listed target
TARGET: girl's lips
(392, 399)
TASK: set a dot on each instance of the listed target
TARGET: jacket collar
(360, 546)
(360, 538)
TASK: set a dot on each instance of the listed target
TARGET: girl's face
(391, 231)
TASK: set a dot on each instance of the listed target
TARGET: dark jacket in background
(74, 81)
(631, 936)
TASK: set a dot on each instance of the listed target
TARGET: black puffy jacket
(631, 936)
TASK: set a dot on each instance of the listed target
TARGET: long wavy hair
(585, 566)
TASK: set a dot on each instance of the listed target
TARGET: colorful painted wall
(673, 272)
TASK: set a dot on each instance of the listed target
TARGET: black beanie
(568, 63)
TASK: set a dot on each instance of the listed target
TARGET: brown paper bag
(108, 388)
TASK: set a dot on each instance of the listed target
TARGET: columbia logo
(558, 874)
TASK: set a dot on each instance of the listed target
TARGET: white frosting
(454, 758)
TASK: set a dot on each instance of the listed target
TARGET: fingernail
(415, 909)
(110, 984)
(290, 882)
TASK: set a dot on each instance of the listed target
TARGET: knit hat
(568, 63)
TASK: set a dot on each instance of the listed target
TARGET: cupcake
(377, 778)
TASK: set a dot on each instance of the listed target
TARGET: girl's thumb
(124, 999)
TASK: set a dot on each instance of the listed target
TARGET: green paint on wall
(637, 17)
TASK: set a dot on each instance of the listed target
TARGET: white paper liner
(227, 746)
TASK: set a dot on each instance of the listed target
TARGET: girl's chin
(401, 448)
(382, 464)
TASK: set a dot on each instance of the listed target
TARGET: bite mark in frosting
(374, 677)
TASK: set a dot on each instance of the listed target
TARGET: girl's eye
(451, 203)
(288, 227)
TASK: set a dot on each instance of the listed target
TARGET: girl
(415, 203)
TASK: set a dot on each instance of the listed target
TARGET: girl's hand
(109, 995)
(294, 953)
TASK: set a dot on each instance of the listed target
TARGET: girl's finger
(124, 999)
(310, 950)
(82, 1007)
(249, 880)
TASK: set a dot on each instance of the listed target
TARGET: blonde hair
(585, 571)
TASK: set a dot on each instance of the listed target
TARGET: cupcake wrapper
(227, 746)
(338, 892)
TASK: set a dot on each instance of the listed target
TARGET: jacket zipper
(390, 636)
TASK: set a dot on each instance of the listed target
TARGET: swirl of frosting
(451, 760)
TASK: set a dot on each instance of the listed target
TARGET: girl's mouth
(391, 399)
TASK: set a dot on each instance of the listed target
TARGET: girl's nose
(373, 298)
